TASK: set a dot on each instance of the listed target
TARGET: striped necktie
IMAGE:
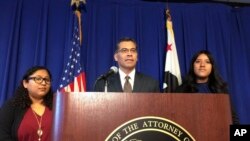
(127, 86)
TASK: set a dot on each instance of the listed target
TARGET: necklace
(39, 130)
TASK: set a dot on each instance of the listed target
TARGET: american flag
(73, 77)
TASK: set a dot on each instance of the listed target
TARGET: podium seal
(150, 128)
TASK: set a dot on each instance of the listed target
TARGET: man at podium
(126, 78)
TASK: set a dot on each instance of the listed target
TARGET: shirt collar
(131, 74)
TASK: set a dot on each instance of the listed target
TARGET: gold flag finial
(78, 5)
(78, 2)
(168, 14)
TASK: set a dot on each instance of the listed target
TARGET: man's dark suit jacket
(142, 83)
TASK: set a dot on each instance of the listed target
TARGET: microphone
(112, 70)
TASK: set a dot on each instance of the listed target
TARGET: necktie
(127, 86)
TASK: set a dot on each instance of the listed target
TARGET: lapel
(137, 83)
(115, 83)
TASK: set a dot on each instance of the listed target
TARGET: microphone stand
(112, 70)
(106, 85)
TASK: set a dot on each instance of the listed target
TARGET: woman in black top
(203, 77)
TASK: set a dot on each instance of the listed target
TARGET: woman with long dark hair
(203, 77)
(28, 115)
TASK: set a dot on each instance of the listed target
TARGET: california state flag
(172, 77)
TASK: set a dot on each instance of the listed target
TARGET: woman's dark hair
(215, 82)
(21, 97)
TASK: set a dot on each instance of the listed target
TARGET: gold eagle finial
(78, 5)
(78, 2)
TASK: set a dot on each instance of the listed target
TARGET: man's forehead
(127, 44)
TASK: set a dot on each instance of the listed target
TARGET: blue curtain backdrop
(38, 33)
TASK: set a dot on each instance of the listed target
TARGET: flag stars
(73, 67)
(169, 47)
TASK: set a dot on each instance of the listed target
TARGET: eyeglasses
(125, 50)
(39, 80)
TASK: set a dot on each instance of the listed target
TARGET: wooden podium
(93, 116)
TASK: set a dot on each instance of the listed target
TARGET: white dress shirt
(131, 75)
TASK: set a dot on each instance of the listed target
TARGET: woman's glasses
(39, 80)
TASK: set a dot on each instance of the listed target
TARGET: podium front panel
(92, 116)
